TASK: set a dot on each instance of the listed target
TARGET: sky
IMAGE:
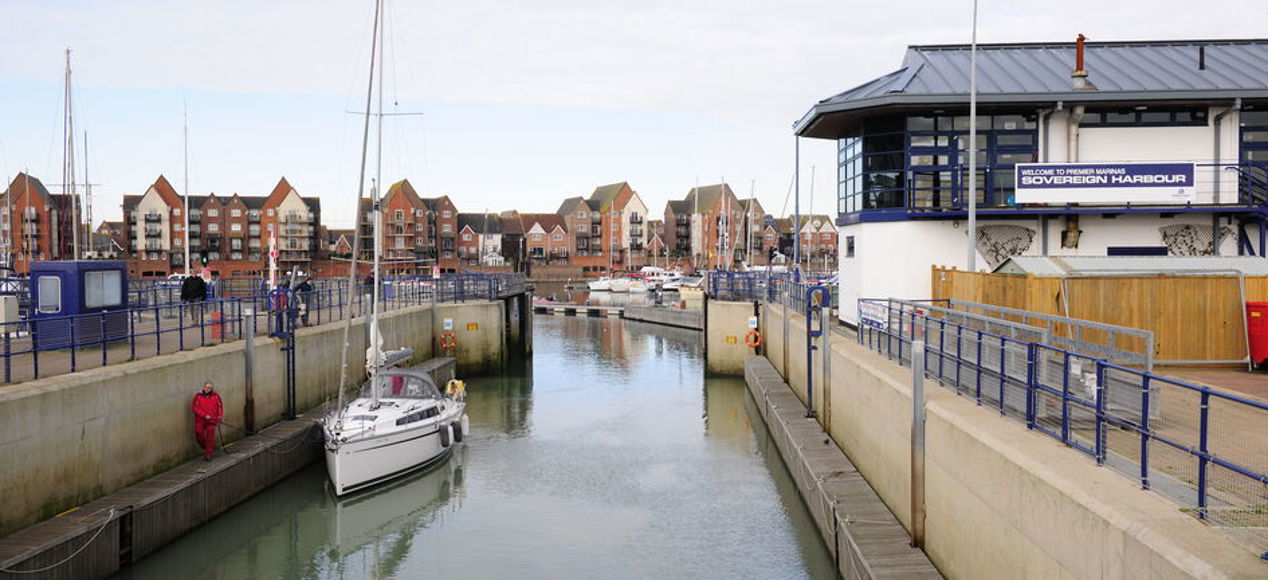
(506, 105)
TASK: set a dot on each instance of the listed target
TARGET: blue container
(78, 303)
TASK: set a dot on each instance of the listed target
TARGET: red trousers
(205, 434)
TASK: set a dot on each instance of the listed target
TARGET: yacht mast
(70, 200)
(356, 240)
(185, 190)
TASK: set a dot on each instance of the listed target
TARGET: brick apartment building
(608, 229)
(232, 233)
(31, 224)
(710, 226)
(418, 232)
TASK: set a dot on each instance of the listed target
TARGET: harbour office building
(1103, 148)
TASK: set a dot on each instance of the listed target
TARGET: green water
(611, 456)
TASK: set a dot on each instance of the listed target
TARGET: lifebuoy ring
(753, 338)
(447, 340)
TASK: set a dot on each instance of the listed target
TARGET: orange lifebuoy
(753, 338)
(448, 341)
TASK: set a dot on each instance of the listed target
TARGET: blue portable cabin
(62, 292)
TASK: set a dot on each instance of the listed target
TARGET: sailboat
(400, 422)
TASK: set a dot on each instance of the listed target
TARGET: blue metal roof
(1040, 72)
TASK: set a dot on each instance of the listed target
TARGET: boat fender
(444, 435)
(466, 424)
(457, 431)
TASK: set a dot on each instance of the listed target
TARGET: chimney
(1079, 78)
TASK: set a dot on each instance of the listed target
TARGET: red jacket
(208, 405)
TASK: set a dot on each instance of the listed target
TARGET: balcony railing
(636, 219)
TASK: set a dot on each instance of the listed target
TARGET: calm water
(611, 457)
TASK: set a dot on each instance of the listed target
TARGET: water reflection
(611, 456)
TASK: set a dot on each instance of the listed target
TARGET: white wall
(1190, 144)
(893, 259)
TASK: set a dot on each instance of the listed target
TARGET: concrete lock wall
(1001, 502)
(725, 349)
(68, 439)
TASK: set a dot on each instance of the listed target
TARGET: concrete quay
(866, 539)
(107, 534)
(681, 318)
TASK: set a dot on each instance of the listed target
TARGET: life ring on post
(448, 340)
(753, 338)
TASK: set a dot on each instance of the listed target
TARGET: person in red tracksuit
(208, 411)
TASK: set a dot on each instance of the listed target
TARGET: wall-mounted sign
(752, 322)
(447, 324)
(1062, 183)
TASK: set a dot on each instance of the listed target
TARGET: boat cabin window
(403, 386)
(417, 416)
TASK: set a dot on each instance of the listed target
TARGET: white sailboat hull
(638, 287)
(359, 464)
(600, 285)
(620, 285)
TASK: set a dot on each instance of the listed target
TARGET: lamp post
(972, 148)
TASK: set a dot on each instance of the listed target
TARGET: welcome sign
(1062, 183)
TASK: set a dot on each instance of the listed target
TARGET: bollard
(918, 443)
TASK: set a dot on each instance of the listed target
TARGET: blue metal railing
(158, 323)
(1202, 448)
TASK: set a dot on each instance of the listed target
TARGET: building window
(616, 227)
(849, 246)
(213, 227)
(615, 240)
(235, 227)
(235, 213)
(399, 215)
(446, 228)
(466, 237)
(269, 212)
(50, 288)
(581, 215)
(559, 237)
(213, 213)
(176, 211)
(1145, 117)
(269, 227)
(446, 214)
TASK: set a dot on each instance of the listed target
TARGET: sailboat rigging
(400, 422)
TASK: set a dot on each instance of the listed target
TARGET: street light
(972, 148)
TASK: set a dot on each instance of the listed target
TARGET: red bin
(1257, 332)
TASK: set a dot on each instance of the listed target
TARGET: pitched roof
(708, 195)
(782, 225)
(403, 187)
(1040, 72)
(280, 191)
(679, 206)
(568, 204)
(822, 219)
(605, 195)
(166, 192)
(481, 223)
(548, 221)
(20, 184)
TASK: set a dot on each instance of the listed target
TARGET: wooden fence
(1193, 318)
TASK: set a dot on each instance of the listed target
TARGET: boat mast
(68, 168)
(87, 200)
(356, 239)
(377, 204)
(185, 146)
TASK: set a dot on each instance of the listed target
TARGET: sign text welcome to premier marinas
(1105, 183)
